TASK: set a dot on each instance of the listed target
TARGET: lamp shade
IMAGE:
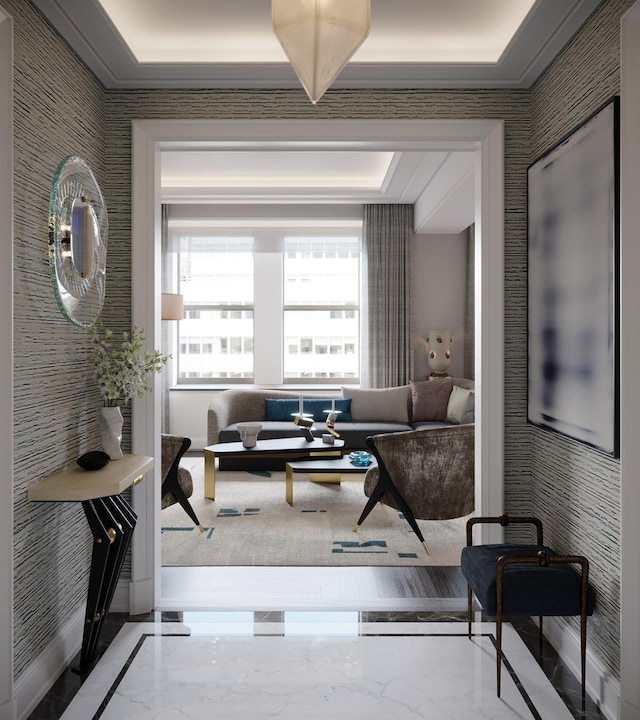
(172, 306)
(319, 37)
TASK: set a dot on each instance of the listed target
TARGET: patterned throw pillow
(430, 399)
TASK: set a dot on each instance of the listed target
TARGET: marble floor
(312, 665)
(261, 662)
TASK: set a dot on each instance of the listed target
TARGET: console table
(112, 522)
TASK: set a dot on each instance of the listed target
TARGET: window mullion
(268, 323)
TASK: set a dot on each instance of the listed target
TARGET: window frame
(268, 284)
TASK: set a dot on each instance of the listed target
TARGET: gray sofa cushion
(371, 405)
(429, 424)
(354, 434)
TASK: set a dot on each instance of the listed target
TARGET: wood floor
(313, 588)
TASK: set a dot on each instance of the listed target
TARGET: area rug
(250, 523)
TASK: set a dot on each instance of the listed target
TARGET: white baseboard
(34, 682)
(198, 442)
(120, 601)
(8, 710)
(37, 679)
(629, 711)
(141, 596)
(601, 686)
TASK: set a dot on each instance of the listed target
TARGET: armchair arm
(505, 520)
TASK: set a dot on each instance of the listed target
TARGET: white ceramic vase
(249, 432)
(111, 431)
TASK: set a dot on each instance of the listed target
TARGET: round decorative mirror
(77, 241)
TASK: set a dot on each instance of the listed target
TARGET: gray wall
(438, 291)
(576, 490)
(59, 109)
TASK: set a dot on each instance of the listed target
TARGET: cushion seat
(354, 434)
(529, 589)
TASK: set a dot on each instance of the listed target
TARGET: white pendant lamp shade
(319, 37)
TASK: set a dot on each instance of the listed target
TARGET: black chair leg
(385, 484)
(377, 493)
(498, 651)
(171, 485)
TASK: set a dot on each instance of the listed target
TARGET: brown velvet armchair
(427, 474)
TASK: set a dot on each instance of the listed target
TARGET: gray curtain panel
(387, 236)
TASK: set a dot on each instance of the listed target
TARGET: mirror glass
(77, 241)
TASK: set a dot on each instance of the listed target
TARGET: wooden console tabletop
(73, 483)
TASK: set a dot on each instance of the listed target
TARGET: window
(267, 305)
(215, 275)
(321, 292)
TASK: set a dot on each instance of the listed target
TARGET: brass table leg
(288, 479)
(209, 474)
(331, 478)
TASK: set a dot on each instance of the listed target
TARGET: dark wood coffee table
(292, 448)
(327, 470)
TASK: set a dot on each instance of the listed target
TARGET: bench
(524, 580)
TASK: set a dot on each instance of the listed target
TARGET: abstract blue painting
(573, 233)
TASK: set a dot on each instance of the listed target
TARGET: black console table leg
(112, 522)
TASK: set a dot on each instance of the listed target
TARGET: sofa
(364, 412)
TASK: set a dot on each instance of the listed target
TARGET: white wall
(188, 414)
(439, 282)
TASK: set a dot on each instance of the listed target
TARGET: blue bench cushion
(528, 589)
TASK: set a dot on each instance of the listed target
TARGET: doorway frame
(629, 701)
(484, 137)
(7, 704)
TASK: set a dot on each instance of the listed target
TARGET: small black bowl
(93, 460)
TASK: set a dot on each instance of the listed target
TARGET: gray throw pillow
(430, 399)
(389, 404)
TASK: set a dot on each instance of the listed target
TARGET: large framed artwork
(573, 241)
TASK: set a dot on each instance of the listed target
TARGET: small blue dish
(360, 458)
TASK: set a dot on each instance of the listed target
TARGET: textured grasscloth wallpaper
(575, 490)
(59, 103)
(59, 111)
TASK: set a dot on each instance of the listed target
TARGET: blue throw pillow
(282, 409)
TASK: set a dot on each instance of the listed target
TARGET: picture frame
(572, 284)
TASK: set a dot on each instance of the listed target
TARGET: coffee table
(322, 470)
(291, 448)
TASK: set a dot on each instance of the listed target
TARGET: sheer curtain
(387, 238)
